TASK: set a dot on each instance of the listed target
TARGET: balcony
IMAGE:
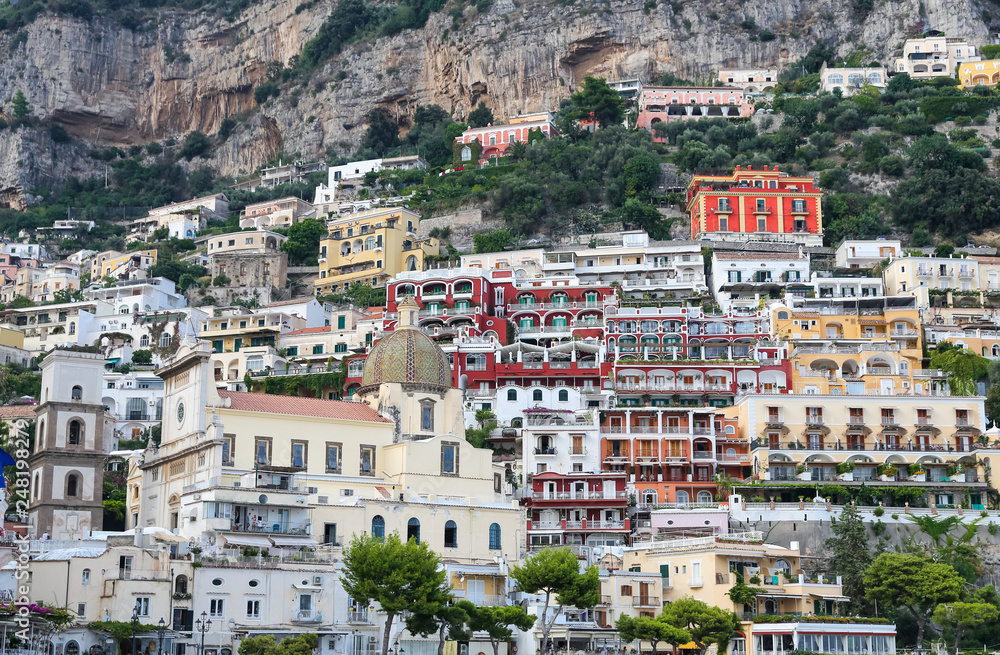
(306, 616)
(963, 423)
(545, 451)
(703, 455)
(645, 601)
(358, 616)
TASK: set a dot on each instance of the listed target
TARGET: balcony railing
(306, 616)
(360, 616)
(645, 601)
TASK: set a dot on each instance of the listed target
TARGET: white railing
(733, 538)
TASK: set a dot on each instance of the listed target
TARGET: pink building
(668, 103)
(497, 139)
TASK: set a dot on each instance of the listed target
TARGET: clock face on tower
(180, 413)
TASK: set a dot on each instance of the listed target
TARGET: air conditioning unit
(372, 640)
(318, 580)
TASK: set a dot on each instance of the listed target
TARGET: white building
(851, 80)
(26, 250)
(934, 56)
(744, 279)
(352, 176)
(865, 253)
(644, 269)
(846, 287)
(139, 296)
(751, 80)
(135, 400)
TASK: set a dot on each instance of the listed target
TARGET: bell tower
(73, 433)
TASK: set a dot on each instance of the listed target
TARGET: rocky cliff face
(113, 86)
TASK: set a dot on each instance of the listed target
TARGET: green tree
(912, 583)
(490, 241)
(382, 132)
(741, 593)
(598, 101)
(400, 577)
(196, 144)
(481, 116)
(498, 623)
(556, 572)
(965, 366)
(448, 622)
(850, 558)
(959, 616)
(22, 110)
(641, 174)
(221, 280)
(300, 644)
(651, 629)
(142, 357)
(992, 404)
(646, 217)
(302, 245)
(707, 624)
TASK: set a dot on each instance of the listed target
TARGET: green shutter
(665, 571)
(341, 322)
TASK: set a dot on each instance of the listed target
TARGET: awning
(247, 540)
(384, 492)
(689, 645)
(777, 595)
(163, 535)
(298, 542)
(832, 597)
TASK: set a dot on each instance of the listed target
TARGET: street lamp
(203, 625)
(159, 636)
(135, 625)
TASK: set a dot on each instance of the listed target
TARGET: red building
(759, 205)
(578, 509)
(671, 455)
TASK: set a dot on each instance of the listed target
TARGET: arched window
(704, 496)
(835, 79)
(563, 395)
(682, 498)
(85, 579)
(72, 327)
(413, 530)
(476, 362)
(77, 393)
(72, 485)
(536, 395)
(495, 536)
(378, 527)
(411, 263)
(75, 433)
(40, 436)
(181, 584)
(144, 341)
(165, 340)
(512, 393)
(782, 316)
(450, 535)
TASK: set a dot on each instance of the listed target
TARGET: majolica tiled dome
(406, 355)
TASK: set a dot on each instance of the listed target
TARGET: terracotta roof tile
(18, 411)
(295, 406)
(758, 255)
(313, 330)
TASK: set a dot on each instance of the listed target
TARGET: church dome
(406, 355)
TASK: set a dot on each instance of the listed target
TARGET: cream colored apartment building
(928, 440)
(370, 248)
(114, 264)
(917, 276)
(934, 56)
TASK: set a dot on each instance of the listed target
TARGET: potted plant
(845, 471)
(916, 472)
(802, 472)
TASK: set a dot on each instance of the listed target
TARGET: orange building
(757, 205)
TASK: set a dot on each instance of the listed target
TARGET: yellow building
(112, 263)
(979, 73)
(913, 440)
(918, 276)
(371, 247)
(853, 345)
(706, 568)
(11, 338)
